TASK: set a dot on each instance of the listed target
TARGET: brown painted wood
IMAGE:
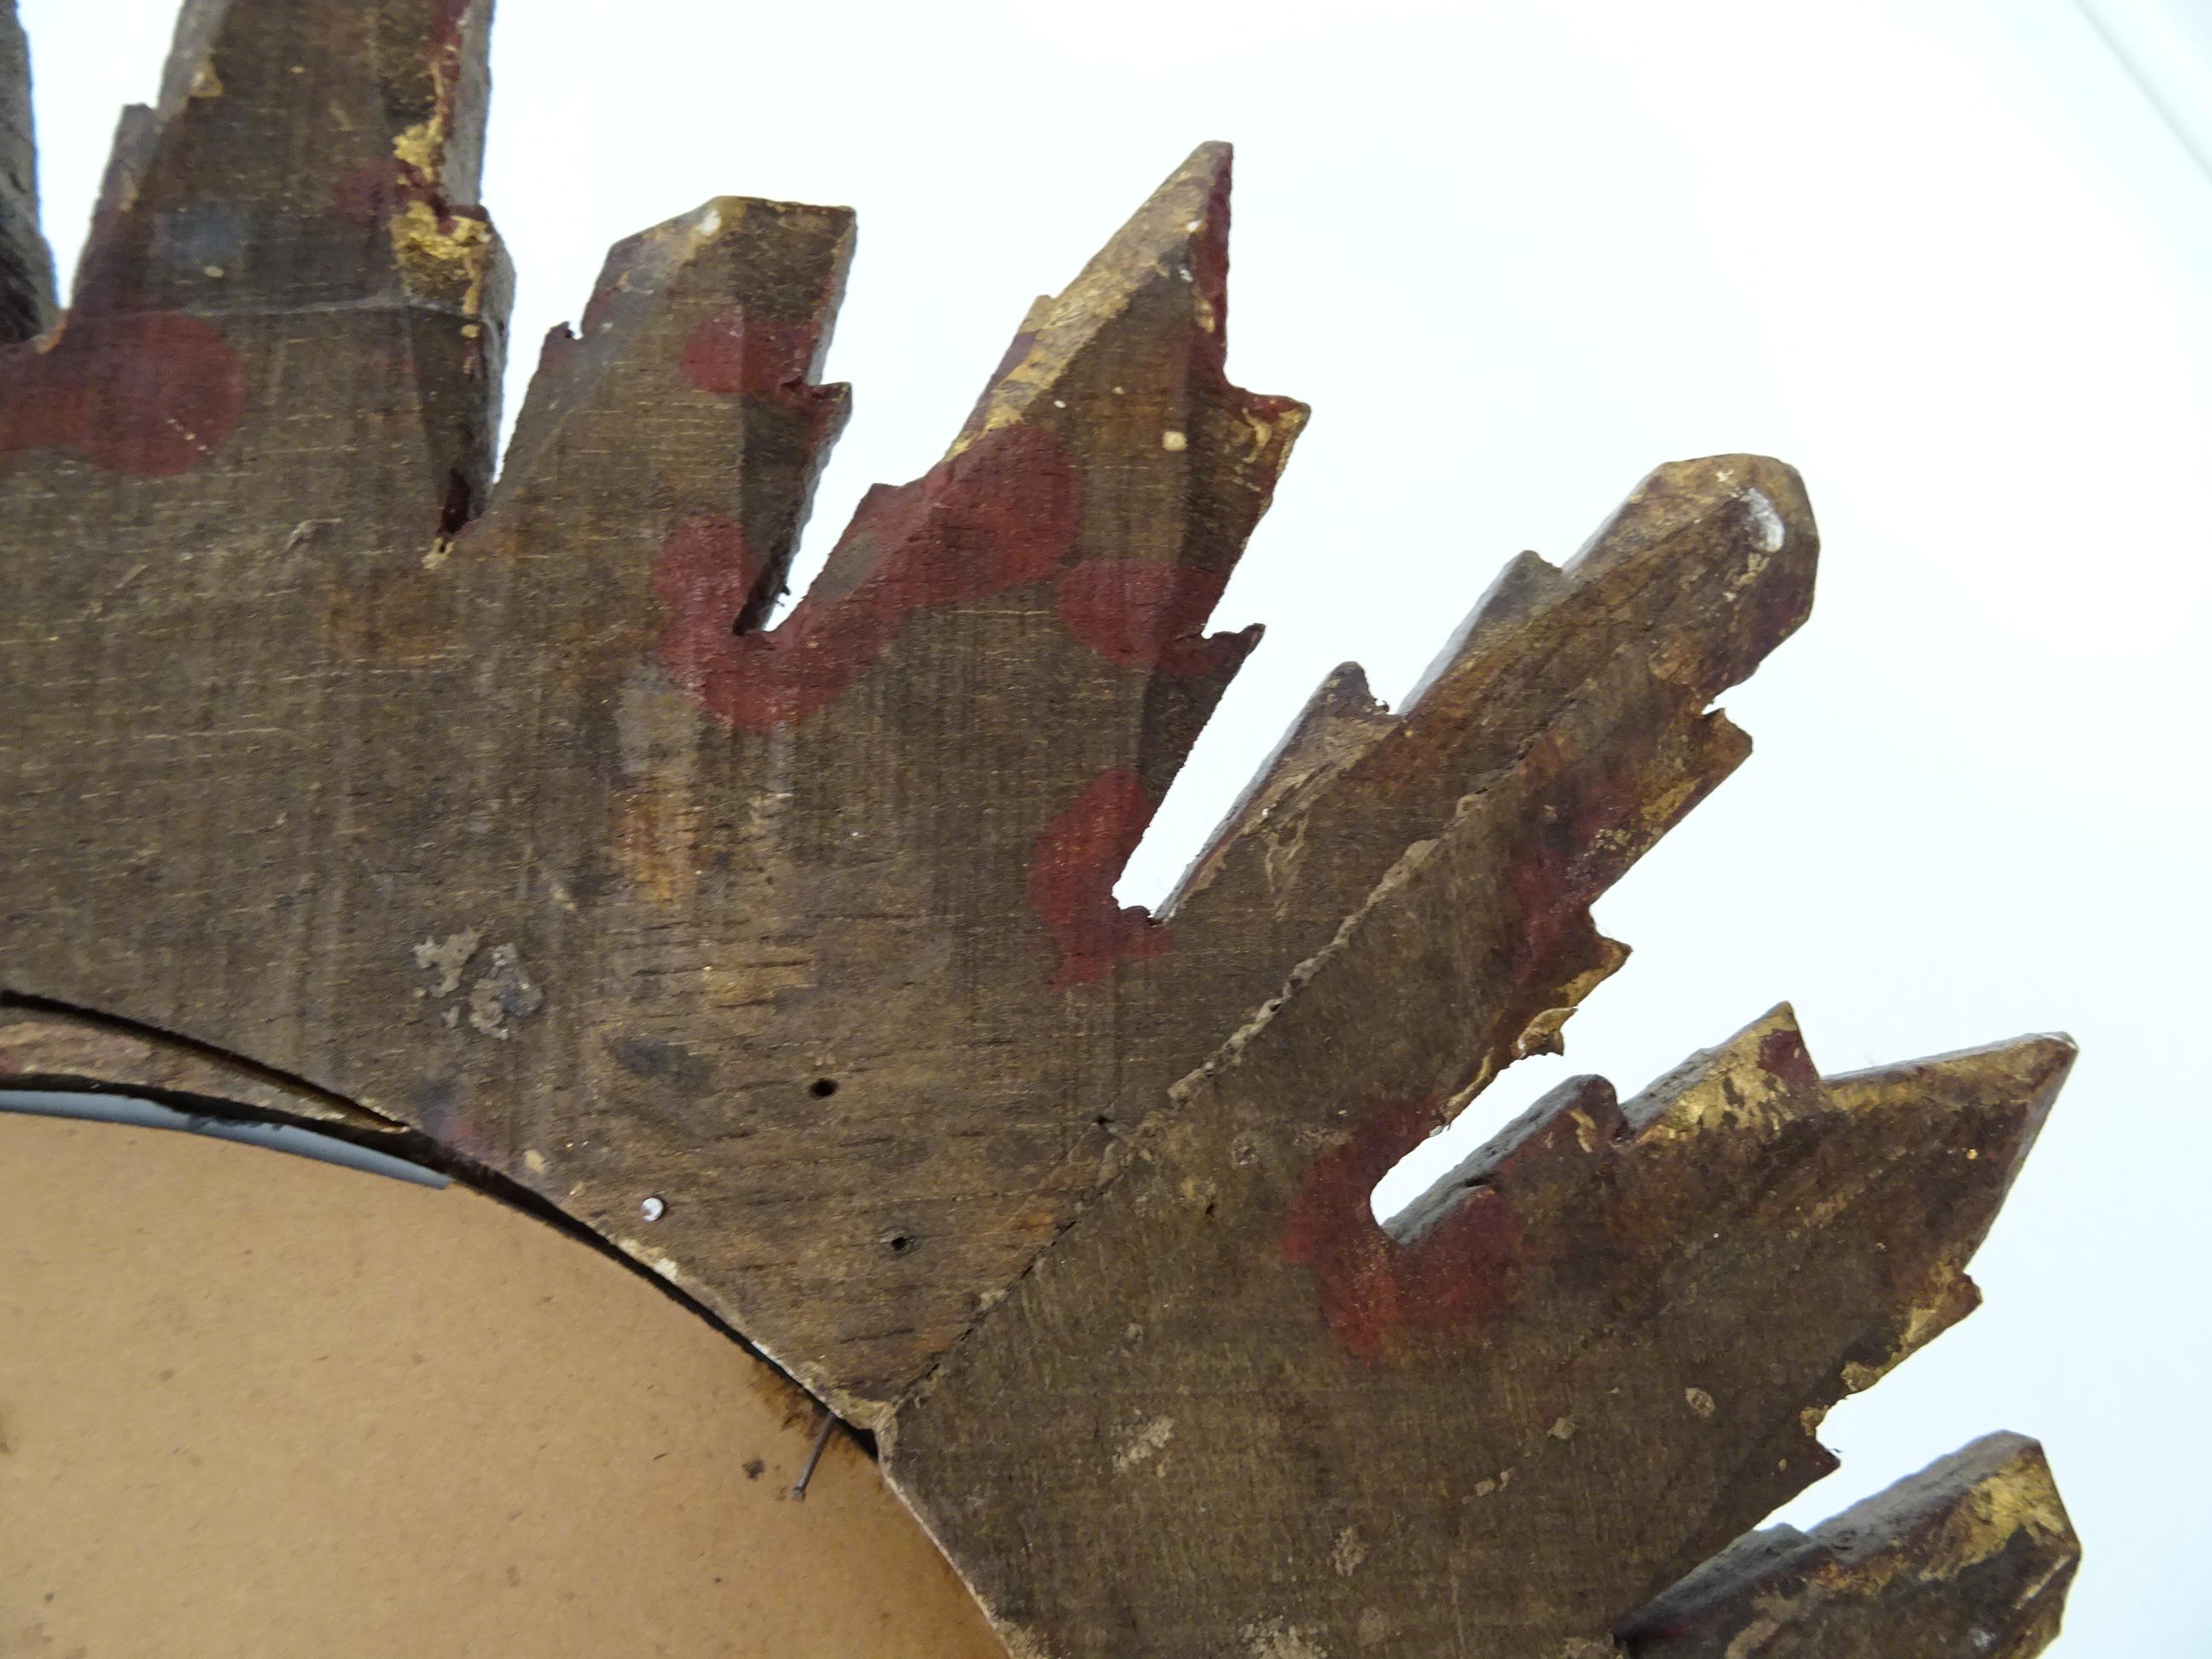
(1971, 1555)
(788, 959)
(1587, 1360)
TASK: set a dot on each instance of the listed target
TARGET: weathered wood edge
(1970, 1558)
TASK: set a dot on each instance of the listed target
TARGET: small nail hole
(898, 1243)
(823, 1088)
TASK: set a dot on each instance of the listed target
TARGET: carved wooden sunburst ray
(349, 783)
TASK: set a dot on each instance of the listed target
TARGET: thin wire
(814, 1457)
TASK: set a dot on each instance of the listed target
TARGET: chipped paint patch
(1772, 532)
(1756, 1085)
(447, 958)
(504, 994)
(448, 255)
(1349, 1551)
(1277, 1639)
(1143, 1444)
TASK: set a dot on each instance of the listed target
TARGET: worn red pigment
(1590, 827)
(732, 352)
(1142, 614)
(1374, 1290)
(1782, 1055)
(1072, 869)
(998, 515)
(445, 17)
(150, 395)
(372, 193)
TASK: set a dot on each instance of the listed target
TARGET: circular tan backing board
(256, 1406)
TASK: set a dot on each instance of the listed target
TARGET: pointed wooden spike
(681, 424)
(1984, 1106)
(306, 152)
(1164, 274)
(1092, 507)
(1971, 1558)
(1339, 721)
(1647, 624)
(1615, 1328)
(1529, 582)
(290, 232)
(26, 269)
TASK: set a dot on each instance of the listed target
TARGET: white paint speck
(1146, 1443)
(1174, 440)
(710, 222)
(653, 1209)
(1278, 1639)
(1772, 531)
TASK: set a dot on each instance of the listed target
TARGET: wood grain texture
(1589, 1358)
(788, 959)
(1970, 1558)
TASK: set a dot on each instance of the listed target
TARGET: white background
(1946, 257)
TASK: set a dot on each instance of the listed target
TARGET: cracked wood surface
(788, 959)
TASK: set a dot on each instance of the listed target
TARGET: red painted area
(703, 577)
(445, 20)
(372, 193)
(1373, 1291)
(1587, 828)
(1001, 515)
(150, 395)
(732, 351)
(1209, 271)
(1145, 615)
(1073, 870)
(1782, 1055)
